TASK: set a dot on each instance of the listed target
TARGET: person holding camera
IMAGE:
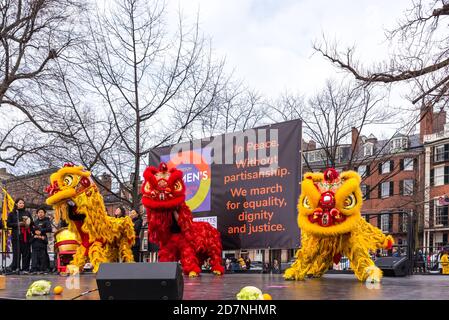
(39, 258)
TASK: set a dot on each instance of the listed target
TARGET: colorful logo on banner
(195, 165)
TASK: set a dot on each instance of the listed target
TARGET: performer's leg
(307, 262)
(168, 252)
(189, 261)
(79, 258)
(364, 268)
(97, 255)
(216, 260)
(125, 252)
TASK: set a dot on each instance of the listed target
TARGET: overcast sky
(268, 42)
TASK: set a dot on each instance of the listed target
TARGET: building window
(362, 170)
(407, 187)
(385, 222)
(316, 155)
(404, 225)
(399, 144)
(439, 176)
(439, 241)
(441, 215)
(386, 167)
(408, 164)
(364, 188)
(439, 153)
(368, 149)
(385, 189)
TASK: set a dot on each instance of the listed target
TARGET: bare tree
(33, 34)
(329, 116)
(134, 87)
(421, 58)
(237, 108)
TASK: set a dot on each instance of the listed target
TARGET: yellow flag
(8, 206)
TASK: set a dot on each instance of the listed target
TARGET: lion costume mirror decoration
(332, 226)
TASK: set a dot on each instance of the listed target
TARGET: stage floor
(209, 287)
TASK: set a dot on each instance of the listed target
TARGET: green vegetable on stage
(39, 288)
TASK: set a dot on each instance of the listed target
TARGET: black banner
(246, 184)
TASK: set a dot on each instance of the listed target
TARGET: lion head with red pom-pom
(330, 202)
(163, 188)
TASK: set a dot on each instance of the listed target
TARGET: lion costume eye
(147, 187)
(177, 186)
(68, 179)
(306, 203)
(350, 202)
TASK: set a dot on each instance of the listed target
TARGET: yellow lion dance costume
(76, 199)
(332, 226)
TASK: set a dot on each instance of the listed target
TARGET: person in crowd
(235, 265)
(378, 254)
(276, 267)
(120, 212)
(20, 221)
(396, 252)
(40, 262)
(137, 221)
(419, 261)
(228, 266)
(248, 263)
(206, 264)
(242, 263)
(266, 268)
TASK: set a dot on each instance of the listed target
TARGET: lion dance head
(330, 202)
(74, 183)
(163, 188)
(163, 193)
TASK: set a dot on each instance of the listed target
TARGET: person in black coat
(20, 221)
(39, 257)
(137, 220)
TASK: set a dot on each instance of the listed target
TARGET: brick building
(392, 183)
(30, 187)
(436, 182)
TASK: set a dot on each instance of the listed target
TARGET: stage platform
(210, 287)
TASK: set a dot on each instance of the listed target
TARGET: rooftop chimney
(355, 139)
(426, 122)
(439, 120)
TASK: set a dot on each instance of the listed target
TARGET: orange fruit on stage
(58, 290)
(266, 296)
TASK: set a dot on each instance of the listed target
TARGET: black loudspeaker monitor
(140, 281)
(393, 266)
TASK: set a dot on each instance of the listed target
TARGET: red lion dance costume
(171, 226)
